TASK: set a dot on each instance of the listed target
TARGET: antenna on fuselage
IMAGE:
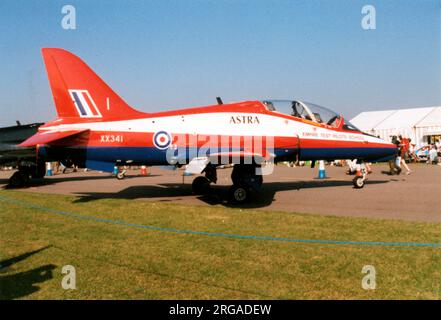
(219, 100)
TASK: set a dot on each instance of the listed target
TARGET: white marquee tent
(422, 125)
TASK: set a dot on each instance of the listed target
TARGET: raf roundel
(161, 140)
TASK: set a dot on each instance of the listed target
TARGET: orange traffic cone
(143, 170)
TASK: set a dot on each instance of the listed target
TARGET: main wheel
(358, 182)
(18, 180)
(120, 175)
(239, 194)
(200, 185)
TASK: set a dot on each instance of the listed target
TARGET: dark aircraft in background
(25, 159)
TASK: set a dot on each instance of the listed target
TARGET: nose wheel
(358, 182)
(361, 174)
(121, 175)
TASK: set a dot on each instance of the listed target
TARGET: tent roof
(432, 119)
(369, 120)
(396, 119)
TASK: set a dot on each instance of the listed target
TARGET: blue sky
(170, 54)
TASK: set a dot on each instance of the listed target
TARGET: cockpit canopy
(308, 111)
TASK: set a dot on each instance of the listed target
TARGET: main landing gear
(245, 181)
(201, 185)
(26, 172)
(244, 177)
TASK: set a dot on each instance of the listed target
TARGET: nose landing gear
(360, 176)
(121, 174)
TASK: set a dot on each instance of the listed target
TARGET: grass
(121, 262)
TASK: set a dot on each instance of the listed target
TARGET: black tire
(358, 182)
(120, 175)
(239, 194)
(200, 185)
(19, 180)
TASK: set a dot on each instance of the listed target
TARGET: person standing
(412, 155)
(394, 164)
(433, 155)
(404, 149)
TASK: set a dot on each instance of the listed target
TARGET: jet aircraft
(97, 129)
(23, 158)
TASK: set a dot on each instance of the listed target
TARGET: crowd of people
(403, 153)
(406, 152)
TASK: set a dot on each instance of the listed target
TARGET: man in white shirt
(433, 155)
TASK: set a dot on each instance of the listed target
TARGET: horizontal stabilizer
(46, 137)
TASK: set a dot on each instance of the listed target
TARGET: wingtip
(46, 51)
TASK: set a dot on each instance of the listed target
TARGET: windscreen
(350, 126)
(304, 110)
(322, 114)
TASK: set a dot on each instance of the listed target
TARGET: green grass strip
(217, 235)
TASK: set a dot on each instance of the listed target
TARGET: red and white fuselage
(95, 126)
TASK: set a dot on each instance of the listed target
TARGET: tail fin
(78, 92)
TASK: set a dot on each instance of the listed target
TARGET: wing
(46, 137)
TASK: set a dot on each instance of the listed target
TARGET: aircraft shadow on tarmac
(61, 178)
(21, 284)
(217, 194)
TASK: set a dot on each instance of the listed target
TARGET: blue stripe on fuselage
(371, 154)
(154, 156)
